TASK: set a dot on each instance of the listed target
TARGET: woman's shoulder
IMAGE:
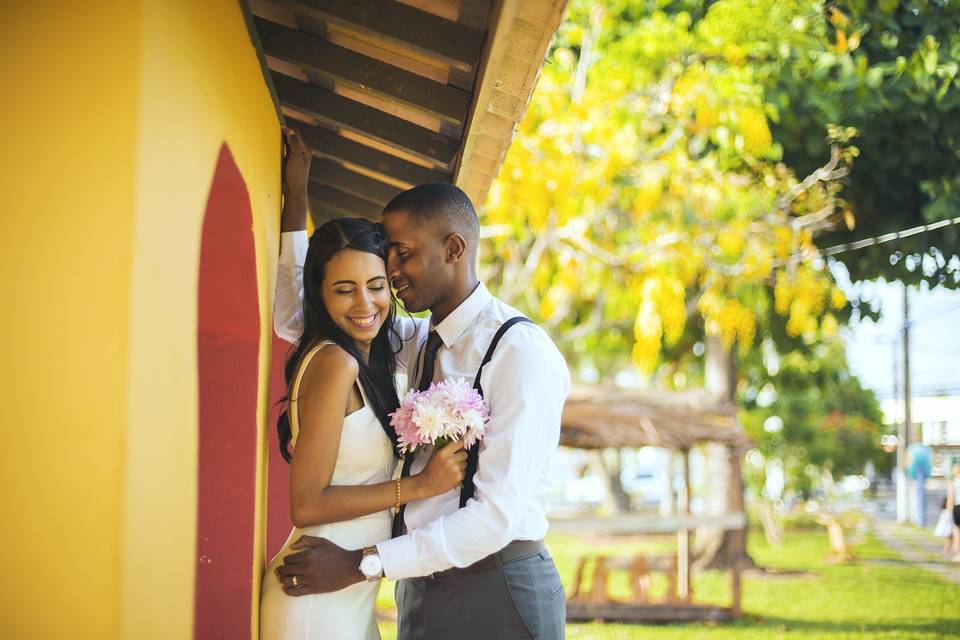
(330, 354)
(330, 359)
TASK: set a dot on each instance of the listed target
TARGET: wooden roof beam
(336, 111)
(519, 36)
(363, 73)
(327, 202)
(449, 42)
(327, 144)
(332, 174)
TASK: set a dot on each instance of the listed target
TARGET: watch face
(371, 566)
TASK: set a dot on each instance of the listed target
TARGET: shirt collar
(452, 327)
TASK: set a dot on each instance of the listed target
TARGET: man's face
(415, 263)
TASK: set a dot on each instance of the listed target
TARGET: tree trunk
(618, 499)
(718, 549)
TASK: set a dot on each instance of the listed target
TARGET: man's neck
(446, 306)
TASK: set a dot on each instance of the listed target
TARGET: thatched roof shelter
(600, 416)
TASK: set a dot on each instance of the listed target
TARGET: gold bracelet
(396, 508)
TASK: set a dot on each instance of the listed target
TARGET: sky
(934, 340)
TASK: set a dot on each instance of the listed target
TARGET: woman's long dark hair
(377, 371)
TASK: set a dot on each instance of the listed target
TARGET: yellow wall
(114, 114)
(69, 114)
(200, 85)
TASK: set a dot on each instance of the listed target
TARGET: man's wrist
(295, 201)
(356, 557)
(369, 565)
(293, 216)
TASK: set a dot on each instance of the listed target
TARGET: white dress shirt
(288, 301)
(524, 385)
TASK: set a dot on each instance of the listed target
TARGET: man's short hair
(443, 205)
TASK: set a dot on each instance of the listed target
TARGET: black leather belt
(516, 550)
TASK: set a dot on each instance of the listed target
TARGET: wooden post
(598, 590)
(684, 587)
(578, 580)
(736, 547)
(640, 579)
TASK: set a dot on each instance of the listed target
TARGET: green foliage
(828, 420)
(890, 70)
(646, 161)
(645, 205)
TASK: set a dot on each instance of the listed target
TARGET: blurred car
(647, 486)
(586, 491)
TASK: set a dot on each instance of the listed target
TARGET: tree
(644, 213)
(807, 410)
(889, 69)
(644, 206)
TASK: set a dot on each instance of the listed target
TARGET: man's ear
(454, 248)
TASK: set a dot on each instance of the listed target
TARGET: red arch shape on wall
(228, 339)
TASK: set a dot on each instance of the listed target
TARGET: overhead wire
(887, 237)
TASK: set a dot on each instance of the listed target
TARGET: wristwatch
(370, 565)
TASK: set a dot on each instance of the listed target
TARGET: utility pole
(907, 423)
(898, 475)
(903, 435)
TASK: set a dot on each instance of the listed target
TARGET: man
(472, 563)
(920, 461)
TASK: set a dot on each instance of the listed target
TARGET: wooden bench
(639, 569)
(597, 604)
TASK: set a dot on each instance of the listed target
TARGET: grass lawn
(876, 596)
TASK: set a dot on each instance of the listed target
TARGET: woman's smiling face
(356, 294)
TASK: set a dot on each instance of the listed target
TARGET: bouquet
(444, 412)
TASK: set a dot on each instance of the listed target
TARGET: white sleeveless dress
(365, 457)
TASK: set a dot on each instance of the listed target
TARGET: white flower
(448, 410)
(431, 419)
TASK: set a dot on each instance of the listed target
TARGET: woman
(953, 508)
(340, 382)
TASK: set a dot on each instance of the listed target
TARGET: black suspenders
(473, 454)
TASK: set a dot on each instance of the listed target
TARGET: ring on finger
(295, 581)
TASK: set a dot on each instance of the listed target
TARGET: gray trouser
(519, 599)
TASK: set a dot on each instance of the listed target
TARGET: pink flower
(446, 411)
(402, 421)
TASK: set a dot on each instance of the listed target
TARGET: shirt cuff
(399, 558)
(293, 247)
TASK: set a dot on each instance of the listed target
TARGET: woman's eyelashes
(347, 292)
